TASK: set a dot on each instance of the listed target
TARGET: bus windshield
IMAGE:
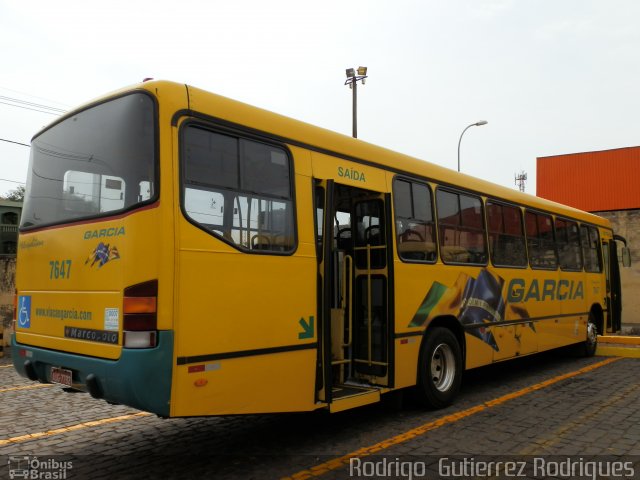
(99, 161)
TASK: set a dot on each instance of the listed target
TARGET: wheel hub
(443, 367)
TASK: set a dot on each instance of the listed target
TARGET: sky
(550, 77)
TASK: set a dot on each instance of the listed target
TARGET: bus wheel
(440, 368)
(591, 343)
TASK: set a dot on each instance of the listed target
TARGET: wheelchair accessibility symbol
(24, 311)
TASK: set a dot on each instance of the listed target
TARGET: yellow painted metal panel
(478, 352)
(301, 160)
(282, 382)
(81, 297)
(234, 301)
(407, 351)
(348, 173)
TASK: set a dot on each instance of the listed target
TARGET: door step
(346, 397)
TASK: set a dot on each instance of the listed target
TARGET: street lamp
(477, 124)
(353, 77)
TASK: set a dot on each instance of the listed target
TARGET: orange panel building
(592, 181)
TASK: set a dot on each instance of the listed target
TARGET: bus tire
(439, 368)
(591, 343)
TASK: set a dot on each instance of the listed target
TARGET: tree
(17, 195)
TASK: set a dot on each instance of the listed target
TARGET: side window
(461, 228)
(506, 235)
(238, 189)
(415, 228)
(590, 248)
(540, 240)
(568, 242)
(9, 218)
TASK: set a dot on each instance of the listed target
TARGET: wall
(627, 224)
(7, 292)
(599, 181)
(9, 220)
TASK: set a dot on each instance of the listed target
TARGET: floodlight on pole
(353, 77)
(476, 124)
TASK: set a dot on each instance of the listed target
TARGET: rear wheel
(439, 369)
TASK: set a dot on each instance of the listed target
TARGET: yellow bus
(186, 254)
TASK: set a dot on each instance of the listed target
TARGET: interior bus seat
(282, 242)
(272, 242)
(417, 250)
(455, 254)
(261, 241)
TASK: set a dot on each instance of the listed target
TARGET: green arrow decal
(307, 327)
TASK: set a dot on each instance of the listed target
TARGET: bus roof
(326, 141)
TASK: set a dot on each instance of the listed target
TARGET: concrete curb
(619, 340)
(618, 346)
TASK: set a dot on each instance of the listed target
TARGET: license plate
(61, 376)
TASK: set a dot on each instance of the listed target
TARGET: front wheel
(439, 369)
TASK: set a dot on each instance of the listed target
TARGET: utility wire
(29, 108)
(33, 96)
(32, 104)
(17, 143)
(11, 181)
(29, 105)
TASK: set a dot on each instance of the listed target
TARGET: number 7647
(60, 269)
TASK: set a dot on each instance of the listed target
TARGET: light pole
(477, 124)
(352, 80)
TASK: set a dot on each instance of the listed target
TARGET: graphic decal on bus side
(550, 290)
(102, 254)
(474, 301)
(351, 174)
(104, 232)
(31, 243)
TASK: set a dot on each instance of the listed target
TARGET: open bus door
(355, 300)
(614, 285)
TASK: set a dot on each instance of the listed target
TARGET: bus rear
(88, 268)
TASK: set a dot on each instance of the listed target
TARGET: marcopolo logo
(104, 233)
